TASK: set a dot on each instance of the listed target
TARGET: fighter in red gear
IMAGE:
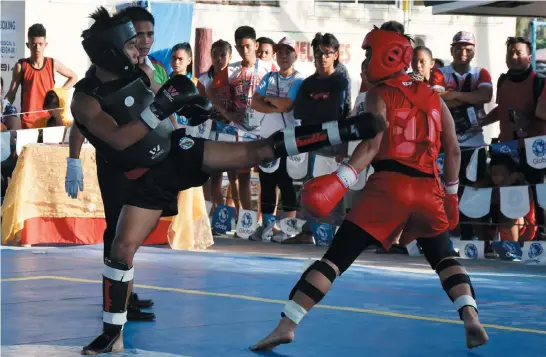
(404, 194)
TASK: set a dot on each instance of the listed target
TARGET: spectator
(275, 97)
(221, 55)
(505, 173)
(519, 90)
(467, 90)
(144, 24)
(36, 75)
(518, 111)
(10, 119)
(266, 51)
(322, 95)
(422, 64)
(55, 105)
(322, 98)
(182, 61)
(242, 78)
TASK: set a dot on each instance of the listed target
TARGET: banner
(173, 23)
(12, 20)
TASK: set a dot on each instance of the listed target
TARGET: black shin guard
(116, 279)
(455, 280)
(301, 139)
(295, 312)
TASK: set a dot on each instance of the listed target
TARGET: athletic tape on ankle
(347, 174)
(290, 141)
(294, 312)
(118, 318)
(332, 129)
(118, 275)
(465, 300)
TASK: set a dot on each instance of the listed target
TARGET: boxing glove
(451, 203)
(196, 110)
(322, 194)
(173, 96)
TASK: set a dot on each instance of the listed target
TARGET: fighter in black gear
(129, 126)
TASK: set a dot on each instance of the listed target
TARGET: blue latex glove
(74, 177)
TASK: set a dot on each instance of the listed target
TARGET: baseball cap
(464, 37)
(286, 41)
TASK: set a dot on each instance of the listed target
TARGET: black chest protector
(127, 100)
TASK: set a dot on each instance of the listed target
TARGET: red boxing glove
(322, 194)
(451, 203)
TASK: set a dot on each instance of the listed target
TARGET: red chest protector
(415, 124)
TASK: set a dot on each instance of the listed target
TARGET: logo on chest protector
(156, 151)
(186, 143)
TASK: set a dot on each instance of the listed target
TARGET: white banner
(533, 253)
(12, 16)
(535, 150)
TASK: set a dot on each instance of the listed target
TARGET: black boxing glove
(173, 96)
(197, 110)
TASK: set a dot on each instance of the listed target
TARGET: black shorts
(158, 188)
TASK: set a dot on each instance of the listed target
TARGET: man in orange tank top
(36, 76)
(405, 193)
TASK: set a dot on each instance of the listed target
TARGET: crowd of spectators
(263, 93)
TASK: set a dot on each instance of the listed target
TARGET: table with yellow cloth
(37, 210)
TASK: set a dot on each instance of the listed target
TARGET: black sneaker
(135, 314)
(135, 301)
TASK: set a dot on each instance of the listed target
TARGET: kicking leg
(456, 284)
(134, 225)
(349, 241)
(225, 156)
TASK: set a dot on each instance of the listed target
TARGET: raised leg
(456, 284)
(225, 156)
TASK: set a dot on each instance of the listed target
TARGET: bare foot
(275, 338)
(105, 343)
(475, 333)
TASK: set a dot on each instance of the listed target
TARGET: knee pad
(437, 249)
(294, 311)
(115, 283)
(454, 280)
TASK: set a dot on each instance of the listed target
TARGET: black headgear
(105, 49)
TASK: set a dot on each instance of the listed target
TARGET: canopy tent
(489, 8)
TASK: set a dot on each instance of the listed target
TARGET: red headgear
(391, 53)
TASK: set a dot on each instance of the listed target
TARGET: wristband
(451, 188)
(347, 174)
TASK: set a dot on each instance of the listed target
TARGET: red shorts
(392, 203)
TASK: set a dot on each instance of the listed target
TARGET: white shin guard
(116, 285)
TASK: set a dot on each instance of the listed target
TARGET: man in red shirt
(404, 193)
(36, 76)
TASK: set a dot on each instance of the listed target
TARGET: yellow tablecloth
(36, 197)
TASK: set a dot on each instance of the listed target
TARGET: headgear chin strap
(105, 49)
(391, 53)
